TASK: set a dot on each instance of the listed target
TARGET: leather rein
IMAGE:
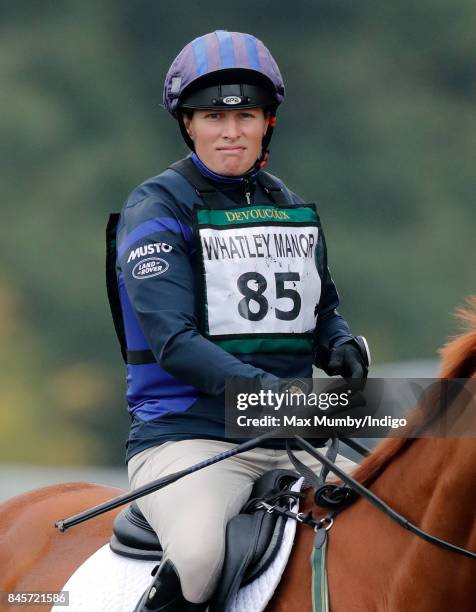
(338, 497)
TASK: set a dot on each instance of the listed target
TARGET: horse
(373, 565)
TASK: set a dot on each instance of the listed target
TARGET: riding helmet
(224, 70)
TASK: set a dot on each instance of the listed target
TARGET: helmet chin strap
(263, 159)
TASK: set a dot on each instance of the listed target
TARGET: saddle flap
(252, 539)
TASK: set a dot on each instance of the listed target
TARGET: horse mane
(458, 361)
(459, 355)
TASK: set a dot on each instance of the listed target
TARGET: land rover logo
(148, 267)
(231, 100)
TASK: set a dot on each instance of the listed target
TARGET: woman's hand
(349, 360)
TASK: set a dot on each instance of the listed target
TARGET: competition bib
(260, 284)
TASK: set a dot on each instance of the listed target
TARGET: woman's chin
(233, 167)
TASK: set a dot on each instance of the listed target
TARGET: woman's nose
(230, 127)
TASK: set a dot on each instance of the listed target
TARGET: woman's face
(228, 142)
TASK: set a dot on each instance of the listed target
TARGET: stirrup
(164, 594)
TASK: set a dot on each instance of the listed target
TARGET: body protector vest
(220, 283)
(256, 271)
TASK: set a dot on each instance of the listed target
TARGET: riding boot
(164, 594)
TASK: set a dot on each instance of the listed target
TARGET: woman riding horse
(221, 274)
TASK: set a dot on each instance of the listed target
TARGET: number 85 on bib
(260, 283)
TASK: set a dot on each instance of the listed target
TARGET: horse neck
(433, 472)
(430, 471)
(432, 483)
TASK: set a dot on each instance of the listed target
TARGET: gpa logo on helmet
(231, 100)
(149, 267)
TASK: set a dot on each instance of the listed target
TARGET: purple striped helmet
(224, 58)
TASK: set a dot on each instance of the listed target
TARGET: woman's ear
(187, 121)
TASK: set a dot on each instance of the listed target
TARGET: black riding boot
(164, 594)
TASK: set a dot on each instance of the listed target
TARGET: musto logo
(152, 266)
(149, 249)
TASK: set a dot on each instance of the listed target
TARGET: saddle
(253, 537)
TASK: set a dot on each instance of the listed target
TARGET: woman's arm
(164, 302)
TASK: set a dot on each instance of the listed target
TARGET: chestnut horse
(373, 564)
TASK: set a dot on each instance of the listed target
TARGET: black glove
(349, 360)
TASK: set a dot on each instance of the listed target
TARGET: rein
(344, 493)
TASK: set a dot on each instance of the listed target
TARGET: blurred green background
(378, 127)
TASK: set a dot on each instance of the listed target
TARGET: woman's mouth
(231, 150)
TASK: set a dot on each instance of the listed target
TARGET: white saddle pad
(107, 582)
